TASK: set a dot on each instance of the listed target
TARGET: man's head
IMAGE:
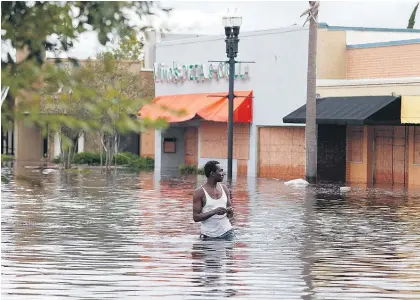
(213, 171)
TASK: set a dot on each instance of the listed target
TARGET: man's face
(219, 174)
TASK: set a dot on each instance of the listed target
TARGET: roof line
(384, 44)
(243, 34)
(371, 81)
(354, 28)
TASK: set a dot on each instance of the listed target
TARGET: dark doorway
(130, 143)
(7, 142)
(331, 154)
(45, 153)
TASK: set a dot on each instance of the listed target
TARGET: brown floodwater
(131, 236)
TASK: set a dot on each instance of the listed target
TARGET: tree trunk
(311, 127)
(117, 144)
(412, 19)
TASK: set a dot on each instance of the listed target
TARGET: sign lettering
(197, 72)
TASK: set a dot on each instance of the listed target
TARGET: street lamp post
(232, 25)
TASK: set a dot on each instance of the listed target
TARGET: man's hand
(229, 211)
(220, 211)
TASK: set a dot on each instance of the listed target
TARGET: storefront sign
(197, 73)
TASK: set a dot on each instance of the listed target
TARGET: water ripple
(93, 236)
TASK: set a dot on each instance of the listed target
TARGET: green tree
(119, 96)
(101, 97)
(31, 28)
(128, 48)
(412, 19)
(64, 111)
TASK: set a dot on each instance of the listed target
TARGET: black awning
(363, 110)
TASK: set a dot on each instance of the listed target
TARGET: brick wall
(147, 83)
(384, 62)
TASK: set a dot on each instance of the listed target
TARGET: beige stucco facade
(331, 54)
(369, 87)
(28, 137)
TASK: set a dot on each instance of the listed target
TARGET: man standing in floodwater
(212, 205)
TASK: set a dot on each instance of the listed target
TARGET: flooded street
(92, 236)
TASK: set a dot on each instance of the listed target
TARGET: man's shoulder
(198, 191)
(224, 186)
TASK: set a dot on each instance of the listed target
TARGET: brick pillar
(29, 148)
(29, 142)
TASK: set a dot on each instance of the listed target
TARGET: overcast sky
(205, 17)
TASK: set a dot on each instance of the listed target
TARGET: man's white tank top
(216, 225)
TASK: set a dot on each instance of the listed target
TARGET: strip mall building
(369, 88)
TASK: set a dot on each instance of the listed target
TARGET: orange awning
(180, 108)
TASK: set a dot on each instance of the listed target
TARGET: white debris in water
(345, 189)
(48, 171)
(297, 182)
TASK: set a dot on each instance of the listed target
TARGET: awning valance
(361, 110)
(210, 107)
(410, 109)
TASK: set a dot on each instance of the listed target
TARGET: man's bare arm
(198, 216)
(229, 201)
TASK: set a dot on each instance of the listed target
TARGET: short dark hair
(210, 166)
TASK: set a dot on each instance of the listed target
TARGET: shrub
(142, 163)
(189, 169)
(124, 158)
(78, 171)
(56, 160)
(131, 160)
(90, 158)
(7, 158)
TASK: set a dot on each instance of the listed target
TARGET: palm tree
(412, 19)
(311, 127)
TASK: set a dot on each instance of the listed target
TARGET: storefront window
(169, 145)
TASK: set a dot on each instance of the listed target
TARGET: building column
(150, 50)
(57, 145)
(198, 145)
(158, 150)
(29, 145)
(253, 151)
(81, 143)
(158, 159)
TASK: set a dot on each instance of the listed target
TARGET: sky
(204, 17)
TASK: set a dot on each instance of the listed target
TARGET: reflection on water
(92, 236)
